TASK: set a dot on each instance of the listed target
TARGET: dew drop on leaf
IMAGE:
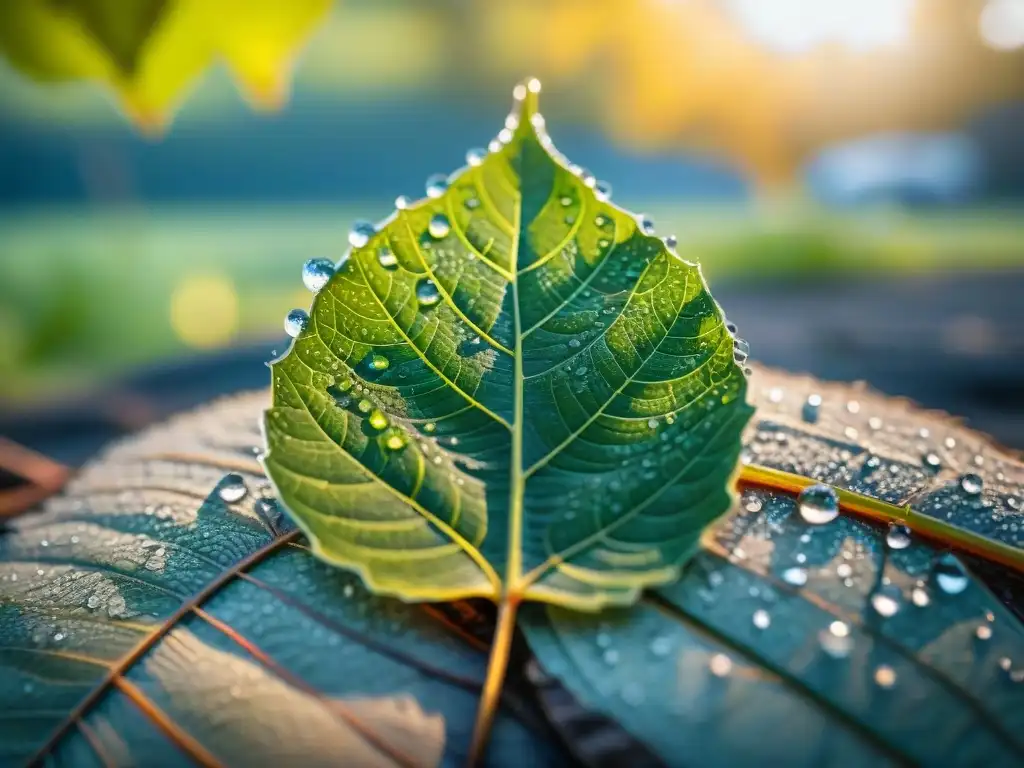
(671, 241)
(316, 273)
(378, 420)
(971, 484)
(395, 441)
(886, 601)
(761, 618)
(983, 632)
(361, 233)
(835, 640)
(898, 536)
(810, 409)
(364, 406)
(645, 224)
(475, 156)
(232, 488)
(932, 460)
(603, 190)
(795, 576)
(919, 596)
(950, 575)
(885, 676)
(402, 202)
(295, 322)
(818, 504)
(720, 665)
(386, 258)
(427, 293)
(661, 646)
(378, 362)
(437, 185)
(439, 226)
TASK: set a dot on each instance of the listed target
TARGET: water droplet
(762, 619)
(919, 597)
(898, 536)
(437, 185)
(395, 441)
(886, 601)
(810, 409)
(740, 350)
(611, 657)
(932, 460)
(844, 570)
(378, 362)
(402, 202)
(361, 233)
(950, 575)
(671, 241)
(475, 156)
(232, 488)
(603, 190)
(295, 322)
(720, 665)
(983, 632)
(471, 204)
(795, 576)
(971, 484)
(885, 676)
(316, 273)
(427, 293)
(364, 406)
(645, 224)
(835, 640)
(378, 420)
(439, 226)
(818, 504)
(661, 646)
(429, 427)
(386, 258)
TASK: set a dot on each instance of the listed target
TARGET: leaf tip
(527, 100)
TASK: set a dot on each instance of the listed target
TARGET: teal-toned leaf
(161, 612)
(798, 644)
(509, 390)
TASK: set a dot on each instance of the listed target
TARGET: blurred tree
(765, 82)
(149, 51)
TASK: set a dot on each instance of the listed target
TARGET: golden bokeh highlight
(204, 310)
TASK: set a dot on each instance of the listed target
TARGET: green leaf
(152, 612)
(771, 649)
(149, 51)
(510, 390)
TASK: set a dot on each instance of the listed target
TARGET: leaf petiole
(497, 666)
(938, 531)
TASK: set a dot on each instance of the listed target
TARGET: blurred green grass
(86, 294)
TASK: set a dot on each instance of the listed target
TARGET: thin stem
(938, 531)
(497, 665)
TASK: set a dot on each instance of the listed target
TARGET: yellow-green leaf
(509, 388)
(149, 51)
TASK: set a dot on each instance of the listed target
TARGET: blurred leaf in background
(149, 51)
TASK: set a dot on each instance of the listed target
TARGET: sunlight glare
(797, 26)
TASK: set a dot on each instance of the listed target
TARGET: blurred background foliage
(146, 210)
